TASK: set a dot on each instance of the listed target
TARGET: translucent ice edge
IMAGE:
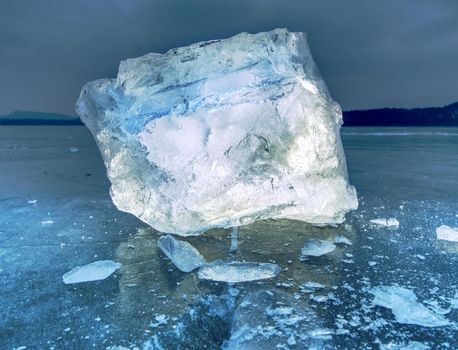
(95, 271)
(234, 272)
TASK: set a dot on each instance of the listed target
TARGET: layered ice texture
(220, 134)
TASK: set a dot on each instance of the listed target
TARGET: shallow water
(410, 174)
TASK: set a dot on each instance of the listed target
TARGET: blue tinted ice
(183, 254)
(220, 134)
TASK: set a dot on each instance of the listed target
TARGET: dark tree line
(434, 116)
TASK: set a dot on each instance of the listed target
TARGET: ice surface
(266, 320)
(391, 222)
(317, 247)
(150, 286)
(183, 254)
(95, 271)
(220, 134)
(447, 233)
(405, 306)
(233, 272)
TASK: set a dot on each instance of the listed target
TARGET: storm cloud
(371, 53)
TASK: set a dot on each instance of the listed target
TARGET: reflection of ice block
(221, 133)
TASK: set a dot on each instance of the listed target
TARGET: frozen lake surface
(392, 288)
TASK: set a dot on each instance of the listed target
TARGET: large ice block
(221, 133)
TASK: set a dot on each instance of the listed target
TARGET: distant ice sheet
(447, 233)
(405, 306)
(95, 271)
(233, 272)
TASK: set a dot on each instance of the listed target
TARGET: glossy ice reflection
(323, 302)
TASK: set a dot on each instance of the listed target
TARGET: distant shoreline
(32, 122)
(386, 117)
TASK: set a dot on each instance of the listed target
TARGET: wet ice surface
(149, 302)
(317, 247)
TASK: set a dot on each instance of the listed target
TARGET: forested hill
(38, 118)
(433, 116)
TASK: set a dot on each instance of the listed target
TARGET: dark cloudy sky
(371, 53)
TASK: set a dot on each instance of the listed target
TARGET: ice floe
(233, 272)
(95, 271)
(183, 255)
(391, 222)
(447, 233)
(311, 287)
(341, 239)
(405, 306)
(317, 247)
